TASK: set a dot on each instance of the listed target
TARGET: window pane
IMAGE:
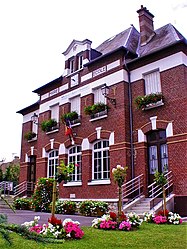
(152, 82)
(101, 169)
(75, 158)
(153, 160)
(164, 157)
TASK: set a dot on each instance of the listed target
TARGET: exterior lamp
(105, 92)
(34, 119)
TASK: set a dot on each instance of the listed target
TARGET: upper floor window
(75, 104)
(72, 66)
(152, 82)
(74, 157)
(101, 161)
(55, 112)
(80, 61)
(98, 96)
(52, 163)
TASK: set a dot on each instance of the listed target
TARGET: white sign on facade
(99, 71)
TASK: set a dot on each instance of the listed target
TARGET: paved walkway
(20, 216)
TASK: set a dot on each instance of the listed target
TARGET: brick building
(154, 137)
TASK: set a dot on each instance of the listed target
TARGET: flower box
(49, 125)
(149, 101)
(96, 110)
(30, 135)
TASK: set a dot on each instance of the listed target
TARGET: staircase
(9, 199)
(139, 204)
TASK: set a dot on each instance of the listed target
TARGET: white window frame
(53, 162)
(72, 66)
(98, 96)
(102, 150)
(152, 82)
(78, 169)
(55, 112)
(75, 104)
(80, 61)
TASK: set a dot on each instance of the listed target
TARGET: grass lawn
(148, 236)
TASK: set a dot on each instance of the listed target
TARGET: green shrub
(47, 125)
(143, 101)
(3, 218)
(30, 135)
(93, 208)
(95, 108)
(66, 207)
(42, 197)
(22, 203)
(70, 115)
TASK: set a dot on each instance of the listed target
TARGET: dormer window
(72, 66)
(80, 61)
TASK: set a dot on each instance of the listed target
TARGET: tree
(161, 180)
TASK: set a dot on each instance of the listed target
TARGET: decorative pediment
(76, 47)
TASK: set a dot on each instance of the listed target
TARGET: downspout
(130, 118)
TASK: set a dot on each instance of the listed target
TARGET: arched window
(74, 157)
(52, 163)
(157, 151)
(101, 161)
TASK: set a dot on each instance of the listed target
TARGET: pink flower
(159, 219)
(125, 225)
(36, 229)
(108, 224)
(74, 230)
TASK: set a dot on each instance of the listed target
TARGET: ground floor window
(52, 163)
(101, 161)
(74, 157)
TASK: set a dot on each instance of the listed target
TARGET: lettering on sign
(99, 71)
(53, 92)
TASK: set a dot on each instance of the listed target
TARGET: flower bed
(160, 218)
(55, 229)
(124, 223)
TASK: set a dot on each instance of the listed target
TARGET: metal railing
(6, 187)
(24, 188)
(155, 191)
(132, 189)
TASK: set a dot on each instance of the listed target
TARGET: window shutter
(98, 96)
(55, 112)
(75, 104)
(152, 82)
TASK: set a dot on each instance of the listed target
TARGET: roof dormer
(76, 55)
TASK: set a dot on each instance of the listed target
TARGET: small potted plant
(29, 135)
(48, 125)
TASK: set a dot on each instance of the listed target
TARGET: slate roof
(130, 39)
(127, 39)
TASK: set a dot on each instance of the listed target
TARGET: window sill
(52, 131)
(71, 184)
(32, 140)
(99, 182)
(153, 105)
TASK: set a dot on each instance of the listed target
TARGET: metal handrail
(133, 188)
(23, 187)
(155, 191)
(6, 187)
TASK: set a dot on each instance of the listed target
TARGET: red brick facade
(125, 77)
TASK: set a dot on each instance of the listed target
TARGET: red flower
(54, 221)
(113, 216)
(161, 212)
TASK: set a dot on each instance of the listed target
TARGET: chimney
(146, 25)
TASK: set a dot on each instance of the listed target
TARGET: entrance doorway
(157, 153)
(31, 173)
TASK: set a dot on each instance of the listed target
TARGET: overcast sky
(35, 33)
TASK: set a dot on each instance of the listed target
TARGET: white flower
(66, 221)
(36, 218)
